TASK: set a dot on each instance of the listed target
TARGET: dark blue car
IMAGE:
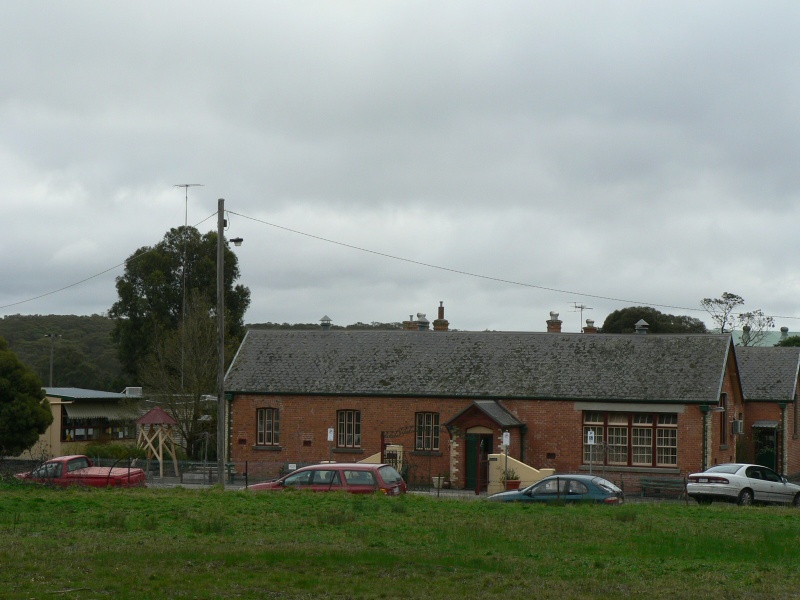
(565, 489)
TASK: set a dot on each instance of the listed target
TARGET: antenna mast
(580, 308)
(185, 187)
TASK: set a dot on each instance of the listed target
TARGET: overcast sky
(541, 154)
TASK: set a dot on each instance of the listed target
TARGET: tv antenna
(580, 308)
(185, 187)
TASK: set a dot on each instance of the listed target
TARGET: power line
(410, 261)
(475, 275)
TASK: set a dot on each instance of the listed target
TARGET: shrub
(115, 451)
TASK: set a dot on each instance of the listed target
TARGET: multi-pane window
(642, 439)
(631, 439)
(269, 430)
(667, 440)
(593, 423)
(427, 431)
(348, 428)
(617, 436)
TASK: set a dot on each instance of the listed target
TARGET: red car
(79, 470)
(355, 478)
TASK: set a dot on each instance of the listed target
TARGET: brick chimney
(441, 324)
(410, 325)
(553, 324)
(590, 328)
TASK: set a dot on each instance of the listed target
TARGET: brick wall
(552, 438)
(304, 423)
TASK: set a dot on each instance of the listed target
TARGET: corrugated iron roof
(81, 394)
(156, 416)
(99, 410)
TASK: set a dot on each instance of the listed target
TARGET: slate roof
(657, 368)
(494, 411)
(768, 373)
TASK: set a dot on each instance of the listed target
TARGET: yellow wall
(527, 474)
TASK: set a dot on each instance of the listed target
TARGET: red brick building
(654, 404)
(769, 424)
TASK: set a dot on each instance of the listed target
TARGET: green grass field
(179, 543)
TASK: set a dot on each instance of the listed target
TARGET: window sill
(268, 448)
(348, 451)
(598, 469)
(426, 453)
(723, 446)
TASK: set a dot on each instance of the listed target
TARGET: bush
(115, 451)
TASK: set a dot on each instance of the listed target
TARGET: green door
(477, 460)
(766, 448)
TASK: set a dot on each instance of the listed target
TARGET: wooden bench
(206, 473)
(657, 486)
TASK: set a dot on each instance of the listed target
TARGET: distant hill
(83, 356)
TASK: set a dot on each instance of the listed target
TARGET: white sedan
(743, 484)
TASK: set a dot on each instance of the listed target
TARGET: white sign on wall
(330, 434)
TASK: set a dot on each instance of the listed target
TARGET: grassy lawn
(179, 543)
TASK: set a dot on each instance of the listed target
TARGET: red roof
(156, 416)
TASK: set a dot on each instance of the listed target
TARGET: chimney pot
(441, 324)
(553, 324)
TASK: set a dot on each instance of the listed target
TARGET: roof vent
(642, 326)
(326, 322)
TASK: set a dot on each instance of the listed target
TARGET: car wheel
(745, 497)
(796, 501)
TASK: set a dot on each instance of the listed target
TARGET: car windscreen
(724, 469)
(389, 475)
(605, 483)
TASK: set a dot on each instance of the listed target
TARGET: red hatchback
(355, 478)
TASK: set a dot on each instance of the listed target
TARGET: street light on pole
(52, 337)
